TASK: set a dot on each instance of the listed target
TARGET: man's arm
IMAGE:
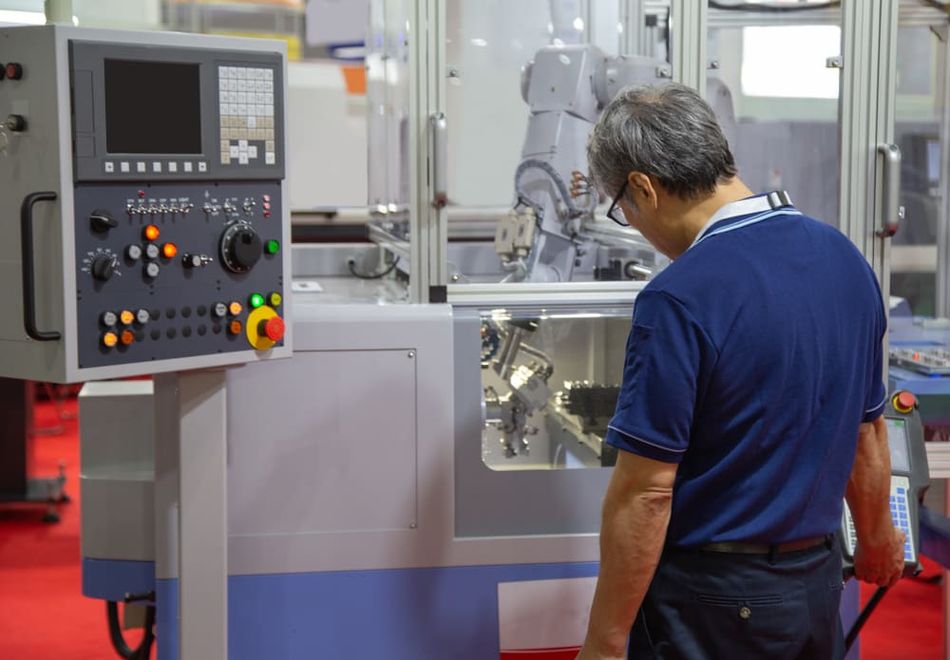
(635, 518)
(879, 558)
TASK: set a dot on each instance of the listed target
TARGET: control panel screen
(162, 123)
(897, 439)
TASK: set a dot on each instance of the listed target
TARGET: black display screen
(152, 107)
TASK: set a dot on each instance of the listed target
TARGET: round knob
(102, 221)
(104, 266)
(241, 247)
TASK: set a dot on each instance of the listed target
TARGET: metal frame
(942, 294)
(867, 111)
(688, 44)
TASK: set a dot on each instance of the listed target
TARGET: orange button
(151, 232)
(127, 337)
(235, 327)
(273, 328)
(169, 250)
(110, 339)
(235, 308)
(904, 402)
(126, 317)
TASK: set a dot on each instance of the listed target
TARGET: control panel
(146, 173)
(930, 360)
(177, 270)
(909, 480)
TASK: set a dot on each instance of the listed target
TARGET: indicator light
(143, 316)
(266, 198)
(126, 317)
(220, 309)
(904, 402)
(141, 194)
(109, 318)
(235, 308)
(256, 300)
(235, 327)
(275, 299)
(272, 246)
(169, 250)
(152, 233)
(127, 337)
(110, 339)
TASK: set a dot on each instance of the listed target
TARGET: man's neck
(692, 215)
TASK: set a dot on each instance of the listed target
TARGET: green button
(273, 246)
(256, 300)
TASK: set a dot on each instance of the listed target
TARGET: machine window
(164, 123)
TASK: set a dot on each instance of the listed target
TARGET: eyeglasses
(615, 213)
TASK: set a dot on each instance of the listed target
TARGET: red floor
(44, 615)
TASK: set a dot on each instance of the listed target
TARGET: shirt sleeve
(668, 354)
(876, 392)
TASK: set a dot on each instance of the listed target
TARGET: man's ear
(642, 190)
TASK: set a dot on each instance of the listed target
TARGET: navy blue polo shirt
(752, 360)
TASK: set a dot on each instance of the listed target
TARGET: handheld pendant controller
(910, 478)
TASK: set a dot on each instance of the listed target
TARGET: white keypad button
(252, 152)
(173, 167)
(252, 121)
(188, 167)
(268, 86)
(110, 167)
(268, 74)
(225, 159)
(140, 167)
(242, 144)
(124, 167)
(156, 167)
(234, 151)
(242, 158)
(270, 158)
(202, 166)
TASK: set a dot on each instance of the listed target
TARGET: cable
(370, 276)
(775, 9)
(547, 168)
(863, 618)
(143, 650)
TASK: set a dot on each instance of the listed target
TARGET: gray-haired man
(751, 405)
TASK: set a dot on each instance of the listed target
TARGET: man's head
(663, 148)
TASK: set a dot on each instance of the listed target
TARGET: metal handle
(26, 247)
(438, 131)
(893, 211)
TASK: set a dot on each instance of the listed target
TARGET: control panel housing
(144, 189)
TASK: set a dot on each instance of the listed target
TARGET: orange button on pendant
(169, 250)
(235, 327)
(904, 402)
(151, 232)
(110, 339)
(235, 308)
(127, 337)
(126, 316)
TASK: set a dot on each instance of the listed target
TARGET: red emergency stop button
(273, 328)
(14, 70)
(904, 402)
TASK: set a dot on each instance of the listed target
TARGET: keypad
(900, 513)
(246, 105)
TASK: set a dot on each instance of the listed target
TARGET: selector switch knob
(104, 267)
(102, 221)
(241, 247)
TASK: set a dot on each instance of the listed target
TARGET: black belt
(741, 548)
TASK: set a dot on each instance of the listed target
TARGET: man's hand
(881, 564)
(879, 557)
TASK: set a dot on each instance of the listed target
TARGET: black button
(139, 335)
(202, 330)
(170, 312)
(156, 333)
(171, 332)
(185, 312)
(156, 314)
(186, 331)
(216, 329)
(202, 310)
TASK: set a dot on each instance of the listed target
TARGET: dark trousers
(717, 605)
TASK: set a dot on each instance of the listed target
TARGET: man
(751, 405)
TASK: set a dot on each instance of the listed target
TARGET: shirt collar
(739, 208)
